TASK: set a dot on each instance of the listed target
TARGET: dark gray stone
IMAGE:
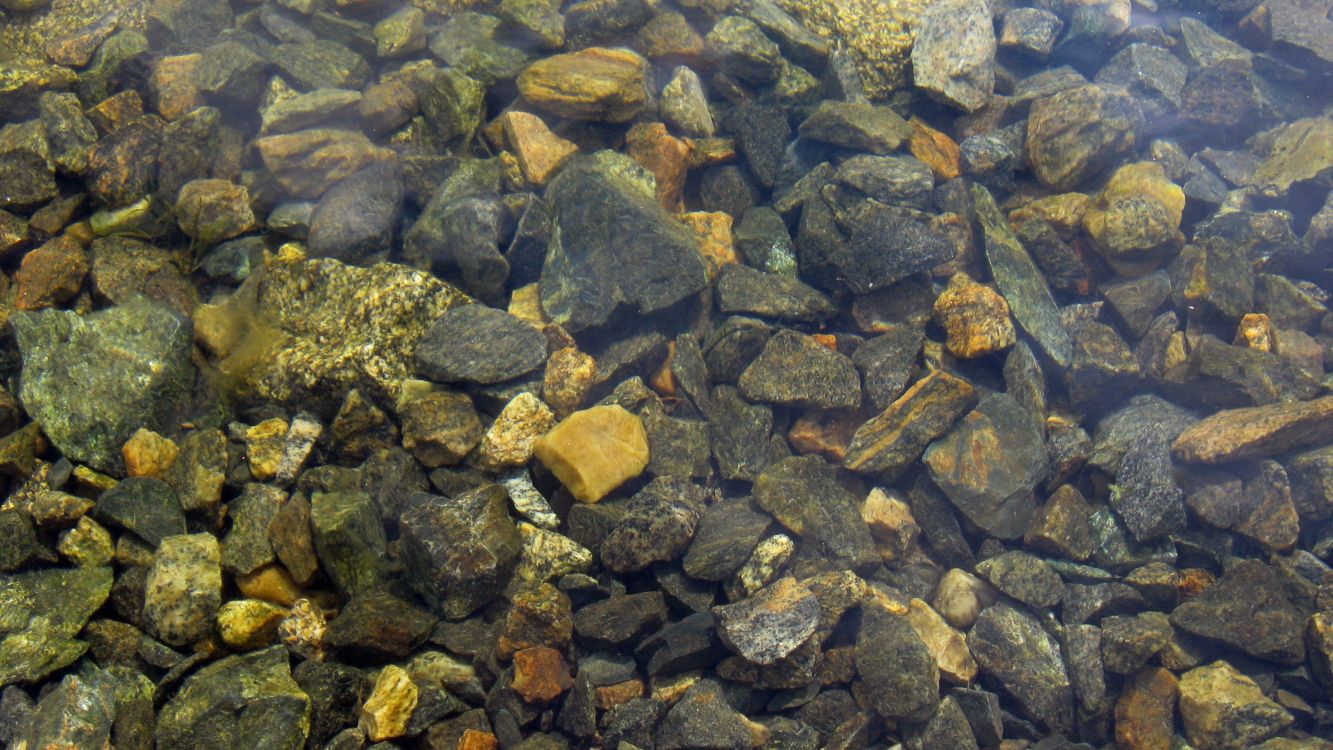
(820, 503)
(621, 619)
(741, 289)
(1025, 577)
(658, 524)
(1247, 609)
(728, 532)
(1011, 646)
(887, 362)
(1145, 495)
(895, 180)
(898, 673)
(460, 551)
(356, 218)
(144, 505)
(479, 344)
(793, 370)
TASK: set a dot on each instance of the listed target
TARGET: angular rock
(1079, 132)
(1247, 609)
(355, 219)
(349, 539)
(892, 441)
(1027, 578)
(702, 718)
(620, 619)
(739, 48)
(239, 699)
(461, 551)
(1222, 709)
(592, 84)
(1145, 711)
(794, 370)
(184, 588)
(1145, 496)
(479, 344)
(727, 533)
(146, 506)
(44, 610)
(658, 525)
(898, 672)
(954, 53)
(769, 624)
(742, 289)
(307, 163)
(975, 318)
(595, 450)
(1255, 432)
(856, 125)
(810, 497)
(1011, 645)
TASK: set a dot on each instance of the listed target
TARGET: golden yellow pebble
(148, 454)
(264, 444)
(390, 705)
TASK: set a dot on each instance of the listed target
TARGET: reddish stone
(540, 675)
(666, 156)
(1145, 712)
(51, 274)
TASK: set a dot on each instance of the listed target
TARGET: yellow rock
(272, 583)
(390, 705)
(592, 84)
(509, 440)
(264, 446)
(1064, 211)
(249, 623)
(526, 305)
(1132, 238)
(595, 451)
(148, 454)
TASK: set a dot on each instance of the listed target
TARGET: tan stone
(665, 156)
(51, 274)
(88, 543)
(385, 714)
(663, 379)
(272, 583)
(594, 451)
(961, 596)
(540, 152)
(1255, 332)
(303, 630)
(264, 444)
(308, 162)
(148, 454)
(975, 317)
(592, 84)
(569, 375)
(936, 149)
(891, 523)
(508, 441)
(1115, 219)
(947, 645)
(826, 432)
(1222, 709)
(246, 624)
(713, 231)
(175, 82)
(1064, 211)
(540, 675)
(1256, 431)
(525, 303)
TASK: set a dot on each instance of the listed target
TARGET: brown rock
(509, 440)
(893, 440)
(176, 85)
(214, 210)
(540, 675)
(440, 428)
(592, 84)
(569, 375)
(665, 156)
(826, 432)
(540, 615)
(473, 739)
(51, 274)
(1061, 525)
(1145, 713)
(123, 165)
(947, 645)
(14, 232)
(272, 583)
(1256, 431)
(290, 537)
(610, 696)
(891, 523)
(540, 152)
(975, 317)
(113, 112)
(308, 162)
(148, 454)
(1222, 709)
(1255, 331)
(936, 149)
(713, 231)
(595, 450)
(74, 49)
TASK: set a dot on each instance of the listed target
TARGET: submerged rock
(235, 700)
(461, 551)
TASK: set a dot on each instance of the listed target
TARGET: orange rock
(975, 317)
(1146, 710)
(827, 433)
(475, 740)
(936, 149)
(540, 152)
(667, 157)
(51, 274)
(596, 83)
(148, 454)
(115, 111)
(176, 86)
(713, 231)
(271, 583)
(540, 675)
(708, 151)
(826, 340)
(610, 696)
(1191, 582)
(526, 304)
(1256, 332)
(569, 375)
(664, 380)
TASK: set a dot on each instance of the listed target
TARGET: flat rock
(1076, 133)
(954, 54)
(741, 289)
(894, 439)
(1025, 577)
(1247, 609)
(810, 497)
(620, 619)
(1255, 432)
(1146, 497)
(794, 370)
(727, 533)
(771, 623)
(592, 84)
(356, 218)
(595, 450)
(1011, 646)
(45, 609)
(1223, 709)
(479, 344)
(144, 505)
(856, 125)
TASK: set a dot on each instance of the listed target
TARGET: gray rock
(1025, 577)
(308, 110)
(762, 135)
(376, 626)
(144, 505)
(954, 53)
(1129, 642)
(231, 75)
(819, 503)
(186, 25)
(460, 551)
(684, 104)
(740, 432)
(1076, 133)
(1087, 673)
(1145, 495)
(1011, 646)
(897, 670)
(732, 345)
(184, 588)
(590, 270)
(1154, 76)
(771, 623)
(885, 244)
(322, 64)
(621, 619)
(793, 370)
(356, 218)
(857, 126)
(349, 539)
(658, 525)
(1247, 609)
(738, 47)
(246, 547)
(895, 180)
(947, 729)
(1030, 30)
(728, 532)
(78, 712)
(43, 611)
(479, 344)
(703, 720)
(243, 700)
(742, 289)
(887, 362)
(762, 238)
(142, 376)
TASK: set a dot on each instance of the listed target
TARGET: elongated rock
(1256, 431)
(893, 440)
(1021, 282)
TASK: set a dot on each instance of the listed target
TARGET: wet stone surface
(674, 374)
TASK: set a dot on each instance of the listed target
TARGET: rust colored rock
(540, 675)
(713, 231)
(1256, 431)
(936, 149)
(540, 152)
(51, 274)
(176, 86)
(827, 433)
(473, 739)
(1146, 710)
(665, 156)
(975, 317)
(592, 84)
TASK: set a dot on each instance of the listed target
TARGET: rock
(897, 670)
(123, 165)
(1129, 642)
(701, 718)
(892, 441)
(992, 488)
(400, 34)
(1030, 30)
(535, 19)
(387, 710)
(1010, 645)
(739, 48)
(1027, 578)
(509, 440)
(460, 551)
(895, 180)
(769, 624)
(307, 163)
(1145, 495)
(592, 84)
(540, 152)
(727, 533)
(540, 675)
(595, 450)
(658, 525)
(1254, 432)
(684, 104)
(954, 53)
(184, 588)
(1061, 525)
(741, 289)
(45, 609)
(1076, 133)
(1021, 283)
(349, 539)
(762, 135)
(355, 219)
(1145, 711)
(23, 80)
(794, 370)
(1248, 610)
(868, 260)
(857, 126)
(234, 696)
(50, 274)
(1222, 709)
(1134, 221)
(947, 646)
(308, 110)
(621, 619)
(146, 506)
(975, 318)
(569, 375)
(1300, 153)
(470, 43)
(78, 712)
(143, 377)
(479, 344)
(810, 497)
(589, 271)
(247, 624)
(211, 211)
